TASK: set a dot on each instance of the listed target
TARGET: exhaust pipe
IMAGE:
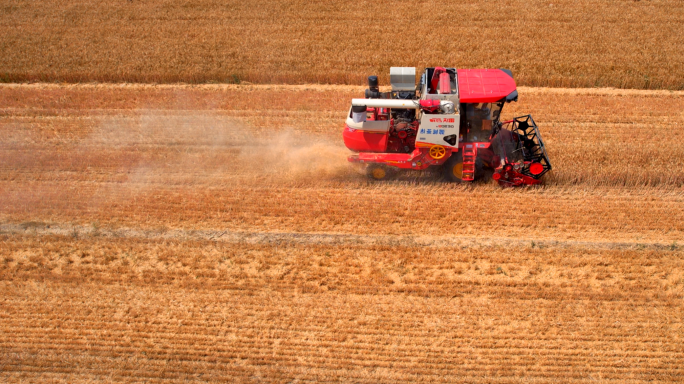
(373, 91)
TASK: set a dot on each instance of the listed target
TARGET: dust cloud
(84, 164)
(190, 148)
(289, 155)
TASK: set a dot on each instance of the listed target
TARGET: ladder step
(468, 170)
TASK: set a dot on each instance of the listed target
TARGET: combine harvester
(450, 120)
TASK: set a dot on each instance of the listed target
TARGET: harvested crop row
(531, 271)
(133, 308)
(338, 312)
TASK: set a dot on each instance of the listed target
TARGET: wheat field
(551, 43)
(216, 233)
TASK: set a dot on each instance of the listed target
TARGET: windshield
(484, 111)
(480, 119)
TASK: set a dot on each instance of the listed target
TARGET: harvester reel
(437, 152)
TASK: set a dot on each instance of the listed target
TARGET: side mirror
(513, 96)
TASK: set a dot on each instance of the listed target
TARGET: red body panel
(418, 159)
(387, 157)
(435, 77)
(484, 85)
(512, 178)
(429, 105)
(364, 141)
(444, 84)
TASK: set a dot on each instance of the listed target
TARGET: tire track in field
(82, 231)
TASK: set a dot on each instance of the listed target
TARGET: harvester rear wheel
(377, 171)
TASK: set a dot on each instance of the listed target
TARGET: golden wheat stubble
(128, 307)
(589, 43)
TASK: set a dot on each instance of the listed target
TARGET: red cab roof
(484, 85)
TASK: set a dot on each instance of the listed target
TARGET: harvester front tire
(377, 172)
(453, 168)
